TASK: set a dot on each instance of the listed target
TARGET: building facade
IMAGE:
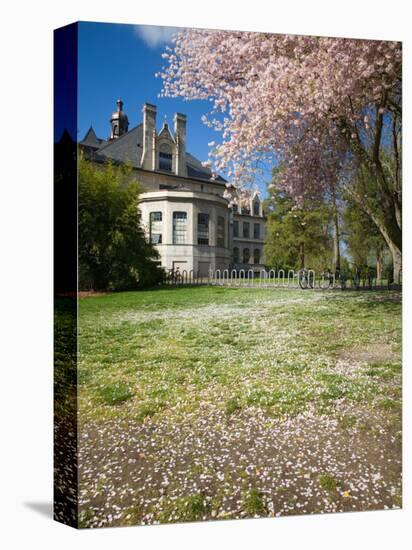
(183, 208)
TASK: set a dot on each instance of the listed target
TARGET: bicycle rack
(311, 277)
(294, 276)
(263, 276)
(281, 278)
(271, 279)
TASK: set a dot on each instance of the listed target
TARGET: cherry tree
(328, 109)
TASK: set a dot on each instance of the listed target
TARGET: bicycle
(327, 280)
(305, 279)
(174, 276)
(341, 277)
(370, 275)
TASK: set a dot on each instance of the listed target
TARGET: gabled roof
(166, 131)
(129, 148)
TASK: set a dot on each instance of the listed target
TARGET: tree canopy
(113, 251)
(326, 108)
(297, 237)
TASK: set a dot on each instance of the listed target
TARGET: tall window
(220, 231)
(179, 227)
(165, 161)
(246, 255)
(246, 230)
(256, 208)
(156, 227)
(256, 230)
(202, 228)
(235, 208)
(236, 228)
(236, 255)
(256, 256)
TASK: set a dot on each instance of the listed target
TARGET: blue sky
(120, 61)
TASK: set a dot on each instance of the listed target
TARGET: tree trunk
(397, 263)
(388, 218)
(396, 252)
(336, 235)
(379, 263)
(389, 229)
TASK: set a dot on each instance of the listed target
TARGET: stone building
(183, 208)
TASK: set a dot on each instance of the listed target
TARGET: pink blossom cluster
(306, 102)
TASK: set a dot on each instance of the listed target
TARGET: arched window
(256, 256)
(236, 255)
(246, 255)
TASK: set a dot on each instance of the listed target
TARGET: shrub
(113, 251)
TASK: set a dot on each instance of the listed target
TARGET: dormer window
(256, 208)
(165, 161)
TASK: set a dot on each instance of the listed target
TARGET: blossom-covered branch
(320, 106)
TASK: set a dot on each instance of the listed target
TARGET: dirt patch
(378, 353)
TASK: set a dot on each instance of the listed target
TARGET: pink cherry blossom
(319, 106)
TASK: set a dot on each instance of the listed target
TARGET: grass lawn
(199, 403)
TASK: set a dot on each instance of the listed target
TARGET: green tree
(297, 237)
(113, 251)
(364, 241)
